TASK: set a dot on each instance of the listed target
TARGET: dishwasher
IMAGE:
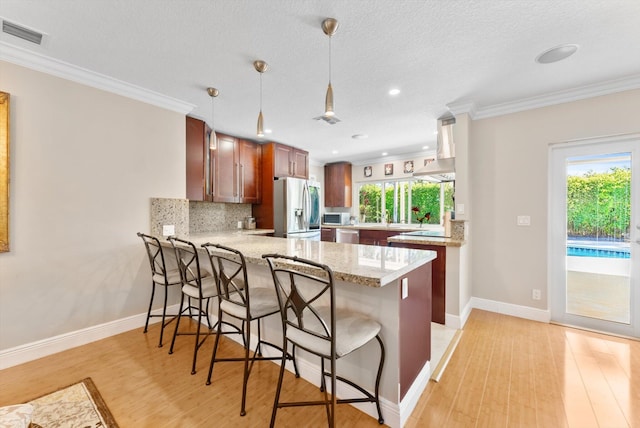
(348, 236)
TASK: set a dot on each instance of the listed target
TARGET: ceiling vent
(22, 32)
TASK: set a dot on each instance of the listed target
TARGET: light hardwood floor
(505, 372)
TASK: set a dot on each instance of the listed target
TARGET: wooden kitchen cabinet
(375, 237)
(337, 184)
(437, 278)
(236, 171)
(328, 234)
(290, 161)
(198, 160)
(277, 160)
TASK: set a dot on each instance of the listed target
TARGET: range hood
(443, 168)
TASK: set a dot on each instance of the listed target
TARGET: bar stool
(303, 288)
(242, 302)
(160, 276)
(198, 284)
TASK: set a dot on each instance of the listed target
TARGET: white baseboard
(42, 348)
(541, 315)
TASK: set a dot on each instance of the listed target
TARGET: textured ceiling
(437, 53)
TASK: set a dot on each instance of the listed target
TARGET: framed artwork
(408, 167)
(388, 169)
(4, 172)
(368, 171)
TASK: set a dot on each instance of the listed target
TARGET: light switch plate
(460, 209)
(524, 220)
(168, 229)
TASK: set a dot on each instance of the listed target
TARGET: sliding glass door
(594, 237)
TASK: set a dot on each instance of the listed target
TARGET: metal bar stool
(160, 276)
(242, 302)
(304, 289)
(198, 284)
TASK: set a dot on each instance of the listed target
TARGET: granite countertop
(366, 265)
(426, 240)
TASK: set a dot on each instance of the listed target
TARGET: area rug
(73, 406)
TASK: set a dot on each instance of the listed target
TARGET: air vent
(21, 32)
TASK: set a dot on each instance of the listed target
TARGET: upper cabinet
(337, 185)
(236, 170)
(289, 161)
(230, 173)
(198, 160)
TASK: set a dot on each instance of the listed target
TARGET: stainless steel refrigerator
(296, 208)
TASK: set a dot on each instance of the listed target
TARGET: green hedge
(599, 204)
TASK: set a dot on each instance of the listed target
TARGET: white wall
(509, 176)
(84, 165)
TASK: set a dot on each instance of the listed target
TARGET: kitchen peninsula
(392, 285)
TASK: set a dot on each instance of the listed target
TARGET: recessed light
(394, 91)
(268, 131)
(359, 136)
(384, 153)
(425, 147)
(556, 54)
(334, 152)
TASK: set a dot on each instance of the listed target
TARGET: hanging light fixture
(329, 26)
(213, 138)
(260, 67)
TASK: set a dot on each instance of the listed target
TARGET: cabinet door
(300, 160)
(225, 171)
(368, 237)
(197, 153)
(328, 235)
(282, 161)
(249, 173)
(337, 185)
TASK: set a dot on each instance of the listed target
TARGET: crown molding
(45, 64)
(553, 98)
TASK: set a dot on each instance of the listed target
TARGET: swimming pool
(581, 250)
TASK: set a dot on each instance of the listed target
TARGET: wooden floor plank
(504, 372)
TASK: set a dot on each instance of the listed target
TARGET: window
(405, 201)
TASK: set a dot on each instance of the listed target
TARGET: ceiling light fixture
(329, 26)
(213, 138)
(394, 91)
(260, 67)
(556, 54)
(360, 136)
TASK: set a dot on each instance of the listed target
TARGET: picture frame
(4, 172)
(388, 169)
(408, 167)
(368, 171)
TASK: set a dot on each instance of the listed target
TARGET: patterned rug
(76, 405)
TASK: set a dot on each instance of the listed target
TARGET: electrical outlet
(536, 294)
(168, 230)
(524, 220)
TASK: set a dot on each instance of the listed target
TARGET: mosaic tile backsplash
(195, 217)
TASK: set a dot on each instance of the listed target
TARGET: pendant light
(213, 138)
(329, 26)
(260, 67)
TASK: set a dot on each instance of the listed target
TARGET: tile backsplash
(195, 217)
(214, 217)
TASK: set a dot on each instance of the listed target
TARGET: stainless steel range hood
(443, 168)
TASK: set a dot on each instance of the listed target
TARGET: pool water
(577, 247)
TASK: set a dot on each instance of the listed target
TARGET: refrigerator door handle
(306, 206)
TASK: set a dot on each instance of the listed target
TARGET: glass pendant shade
(328, 102)
(260, 130)
(213, 138)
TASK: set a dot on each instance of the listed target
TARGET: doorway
(594, 234)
